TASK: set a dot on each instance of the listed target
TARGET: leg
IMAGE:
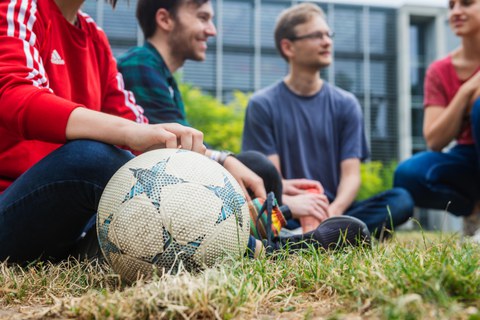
(441, 180)
(46, 209)
(263, 167)
(385, 210)
(475, 121)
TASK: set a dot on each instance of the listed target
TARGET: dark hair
(147, 10)
(292, 17)
(112, 2)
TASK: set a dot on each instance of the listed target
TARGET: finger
(186, 140)
(321, 214)
(170, 140)
(258, 189)
(245, 192)
(197, 143)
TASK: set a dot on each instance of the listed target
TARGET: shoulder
(135, 56)
(440, 66)
(341, 96)
(93, 30)
(267, 95)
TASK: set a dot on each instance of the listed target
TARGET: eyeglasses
(317, 35)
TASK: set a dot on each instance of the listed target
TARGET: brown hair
(147, 10)
(292, 17)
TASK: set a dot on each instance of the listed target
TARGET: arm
(88, 124)
(348, 187)
(30, 110)
(441, 125)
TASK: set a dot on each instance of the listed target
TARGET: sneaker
(332, 233)
(471, 224)
(476, 236)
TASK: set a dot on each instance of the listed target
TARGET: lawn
(412, 276)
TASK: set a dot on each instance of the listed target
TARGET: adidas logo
(56, 59)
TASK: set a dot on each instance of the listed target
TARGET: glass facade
(243, 57)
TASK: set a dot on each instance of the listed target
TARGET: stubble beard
(181, 44)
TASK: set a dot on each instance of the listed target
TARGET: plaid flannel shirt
(148, 77)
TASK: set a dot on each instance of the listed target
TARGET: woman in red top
(63, 109)
(450, 180)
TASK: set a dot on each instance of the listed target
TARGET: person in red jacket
(63, 111)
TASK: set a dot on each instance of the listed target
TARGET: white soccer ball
(170, 208)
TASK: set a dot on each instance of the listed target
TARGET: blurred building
(381, 52)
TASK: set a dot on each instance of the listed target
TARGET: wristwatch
(223, 156)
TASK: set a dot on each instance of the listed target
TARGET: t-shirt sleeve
(353, 143)
(435, 93)
(258, 129)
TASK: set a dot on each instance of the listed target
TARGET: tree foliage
(376, 177)
(222, 124)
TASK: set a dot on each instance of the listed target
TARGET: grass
(412, 276)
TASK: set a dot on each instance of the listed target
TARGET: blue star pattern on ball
(105, 243)
(232, 200)
(174, 253)
(151, 181)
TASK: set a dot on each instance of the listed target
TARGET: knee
(405, 174)
(475, 113)
(259, 163)
(404, 201)
(475, 116)
(94, 158)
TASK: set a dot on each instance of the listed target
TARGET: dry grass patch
(410, 277)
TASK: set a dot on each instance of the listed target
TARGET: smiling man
(175, 31)
(313, 131)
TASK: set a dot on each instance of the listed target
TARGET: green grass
(412, 276)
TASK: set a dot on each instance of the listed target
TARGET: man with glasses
(313, 131)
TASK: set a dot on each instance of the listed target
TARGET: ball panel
(189, 211)
(134, 229)
(131, 268)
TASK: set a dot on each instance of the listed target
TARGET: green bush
(221, 124)
(376, 177)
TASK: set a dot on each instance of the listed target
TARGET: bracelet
(224, 155)
(221, 156)
(215, 156)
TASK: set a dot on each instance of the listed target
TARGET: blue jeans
(384, 210)
(46, 209)
(445, 180)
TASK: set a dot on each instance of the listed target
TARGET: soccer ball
(169, 209)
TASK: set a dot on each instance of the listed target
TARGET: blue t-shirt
(311, 135)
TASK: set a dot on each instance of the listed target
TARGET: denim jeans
(46, 209)
(445, 180)
(384, 210)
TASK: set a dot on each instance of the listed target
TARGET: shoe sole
(341, 231)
